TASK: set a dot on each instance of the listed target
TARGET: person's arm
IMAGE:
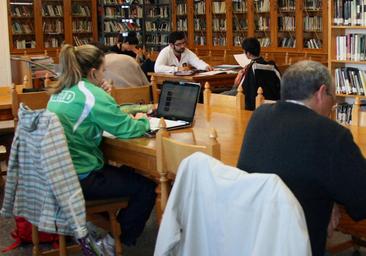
(162, 63)
(347, 181)
(107, 114)
(196, 62)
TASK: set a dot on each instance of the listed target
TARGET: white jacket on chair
(218, 210)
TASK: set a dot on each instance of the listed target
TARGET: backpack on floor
(23, 234)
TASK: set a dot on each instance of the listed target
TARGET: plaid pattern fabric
(42, 184)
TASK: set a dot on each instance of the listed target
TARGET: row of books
(219, 24)
(53, 27)
(262, 23)
(350, 80)
(286, 23)
(313, 43)
(157, 39)
(218, 40)
(81, 10)
(199, 24)
(135, 11)
(239, 23)
(25, 44)
(53, 42)
(262, 5)
(200, 7)
(199, 40)
(351, 47)
(116, 26)
(157, 26)
(112, 40)
(238, 39)
(344, 113)
(158, 12)
(287, 42)
(122, 2)
(52, 10)
(313, 23)
(81, 26)
(312, 5)
(182, 9)
(239, 7)
(22, 28)
(21, 11)
(81, 41)
(350, 12)
(218, 7)
(182, 25)
(286, 5)
(264, 41)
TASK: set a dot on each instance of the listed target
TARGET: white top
(215, 210)
(169, 63)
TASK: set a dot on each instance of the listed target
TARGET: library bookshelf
(39, 25)
(347, 58)
(293, 26)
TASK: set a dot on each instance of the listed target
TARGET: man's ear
(321, 92)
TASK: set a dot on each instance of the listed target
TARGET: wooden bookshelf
(347, 61)
(212, 27)
(39, 25)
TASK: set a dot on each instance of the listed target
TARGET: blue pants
(112, 182)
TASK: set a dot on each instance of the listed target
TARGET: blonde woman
(85, 110)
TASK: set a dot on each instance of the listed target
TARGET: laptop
(177, 104)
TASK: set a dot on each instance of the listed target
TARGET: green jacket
(85, 111)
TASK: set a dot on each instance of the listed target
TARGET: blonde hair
(76, 62)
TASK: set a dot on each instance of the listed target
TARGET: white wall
(5, 71)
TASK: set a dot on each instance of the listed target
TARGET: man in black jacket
(257, 73)
(315, 156)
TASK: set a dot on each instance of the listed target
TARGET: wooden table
(217, 82)
(140, 153)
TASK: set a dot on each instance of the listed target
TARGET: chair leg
(116, 232)
(35, 241)
(62, 245)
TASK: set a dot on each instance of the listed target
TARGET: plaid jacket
(42, 184)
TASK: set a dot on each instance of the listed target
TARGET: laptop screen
(178, 100)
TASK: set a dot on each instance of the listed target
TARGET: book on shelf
(288, 42)
(349, 12)
(218, 7)
(351, 47)
(262, 5)
(200, 8)
(344, 113)
(313, 43)
(313, 23)
(350, 81)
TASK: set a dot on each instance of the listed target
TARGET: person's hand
(106, 86)
(140, 115)
(334, 220)
(209, 68)
(183, 68)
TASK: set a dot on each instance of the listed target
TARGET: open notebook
(177, 104)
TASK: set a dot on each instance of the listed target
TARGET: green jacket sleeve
(110, 118)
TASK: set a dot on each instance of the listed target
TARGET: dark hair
(104, 48)
(175, 36)
(76, 62)
(131, 38)
(302, 79)
(252, 46)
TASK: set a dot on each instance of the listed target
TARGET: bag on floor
(23, 234)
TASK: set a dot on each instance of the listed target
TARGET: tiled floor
(145, 245)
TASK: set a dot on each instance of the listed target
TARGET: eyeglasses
(180, 44)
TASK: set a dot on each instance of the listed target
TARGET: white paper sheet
(242, 59)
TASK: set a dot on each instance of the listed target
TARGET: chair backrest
(259, 100)
(139, 94)
(220, 100)
(34, 100)
(169, 154)
(269, 78)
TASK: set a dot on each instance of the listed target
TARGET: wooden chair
(137, 95)
(259, 99)
(39, 100)
(169, 154)
(220, 100)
